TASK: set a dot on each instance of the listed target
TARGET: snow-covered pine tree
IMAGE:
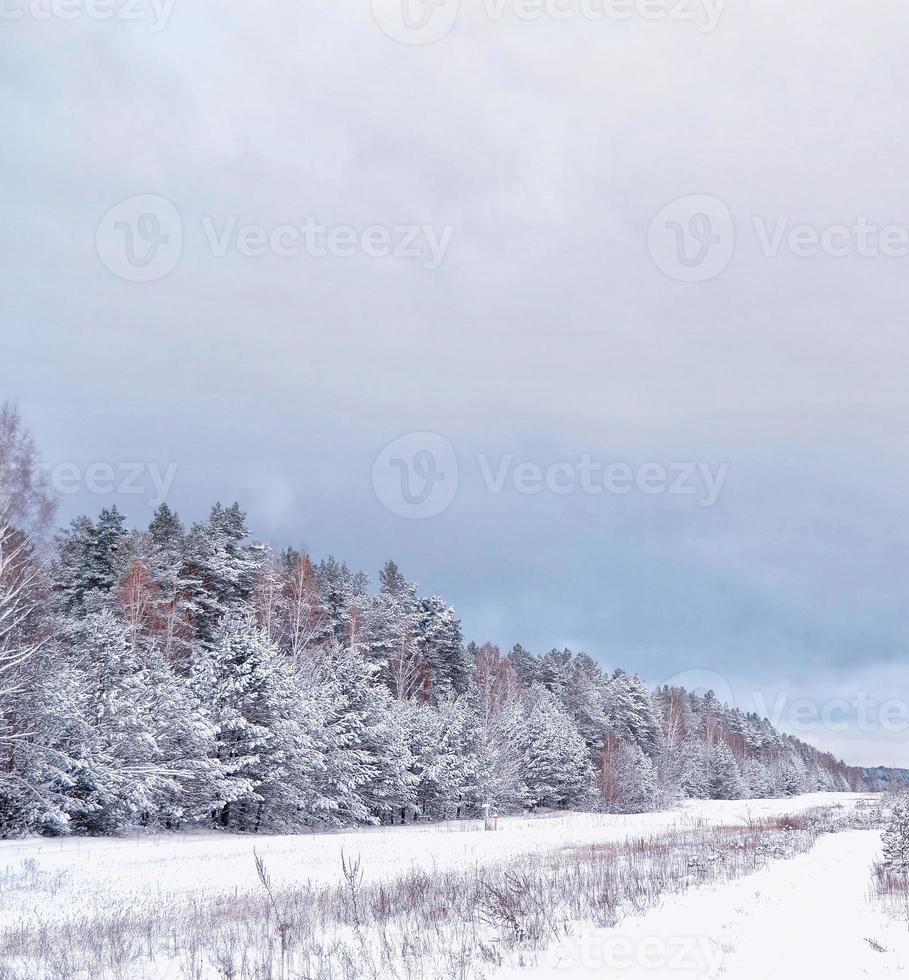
(372, 768)
(41, 764)
(223, 568)
(724, 781)
(168, 539)
(266, 731)
(789, 771)
(137, 746)
(758, 779)
(392, 629)
(182, 775)
(163, 550)
(341, 699)
(552, 670)
(631, 712)
(895, 838)
(443, 756)
(557, 769)
(90, 562)
(101, 790)
(441, 645)
(577, 683)
(585, 700)
(70, 581)
(694, 767)
(338, 589)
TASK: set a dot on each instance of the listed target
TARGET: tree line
(175, 676)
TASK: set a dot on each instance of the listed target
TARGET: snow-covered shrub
(896, 836)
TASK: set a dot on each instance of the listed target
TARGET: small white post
(488, 819)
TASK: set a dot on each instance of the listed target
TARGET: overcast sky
(546, 318)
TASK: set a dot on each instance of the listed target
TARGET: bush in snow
(896, 836)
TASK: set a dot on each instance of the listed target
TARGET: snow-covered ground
(810, 915)
(167, 864)
(807, 917)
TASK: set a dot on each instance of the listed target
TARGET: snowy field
(162, 866)
(808, 915)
